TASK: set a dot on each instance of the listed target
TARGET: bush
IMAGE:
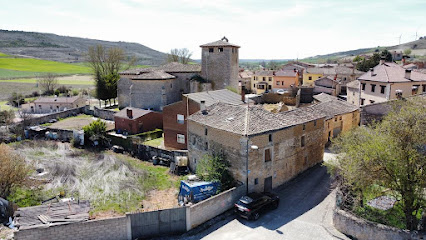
(13, 170)
(63, 89)
(16, 99)
(214, 168)
(95, 132)
(35, 94)
(75, 92)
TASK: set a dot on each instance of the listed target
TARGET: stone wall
(365, 230)
(106, 229)
(220, 67)
(104, 113)
(63, 114)
(214, 206)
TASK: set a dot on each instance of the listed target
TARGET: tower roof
(220, 43)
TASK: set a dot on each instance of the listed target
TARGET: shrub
(13, 170)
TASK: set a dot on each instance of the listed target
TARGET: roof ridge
(386, 72)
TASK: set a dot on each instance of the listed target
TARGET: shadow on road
(297, 197)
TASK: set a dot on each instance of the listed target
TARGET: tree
(13, 168)
(407, 51)
(16, 99)
(273, 65)
(215, 167)
(387, 55)
(106, 64)
(365, 64)
(181, 55)
(48, 83)
(391, 155)
(357, 59)
(95, 132)
(7, 117)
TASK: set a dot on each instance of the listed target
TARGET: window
(302, 141)
(254, 85)
(194, 141)
(269, 86)
(315, 123)
(256, 181)
(181, 138)
(382, 89)
(310, 78)
(264, 78)
(415, 89)
(180, 119)
(371, 101)
(205, 131)
(171, 85)
(424, 88)
(353, 93)
(362, 86)
(304, 127)
(270, 137)
(340, 118)
(362, 101)
(373, 87)
(335, 119)
(206, 146)
(270, 79)
(220, 49)
(278, 83)
(268, 155)
(260, 86)
(210, 49)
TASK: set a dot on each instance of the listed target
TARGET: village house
(327, 85)
(53, 104)
(353, 92)
(265, 149)
(312, 74)
(245, 78)
(134, 120)
(341, 116)
(175, 115)
(285, 79)
(385, 82)
(345, 72)
(262, 81)
(153, 88)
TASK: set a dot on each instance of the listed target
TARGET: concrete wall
(158, 223)
(365, 230)
(112, 228)
(212, 207)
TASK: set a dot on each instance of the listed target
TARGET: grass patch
(4, 106)
(5, 73)
(3, 54)
(60, 81)
(393, 217)
(38, 65)
(154, 142)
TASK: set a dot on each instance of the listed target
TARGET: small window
(254, 85)
(424, 88)
(220, 49)
(205, 131)
(340, 118)
(373, 87)
(264, 78)
(206, 146)
(310, 78)
(180, 119)
(270, 79)
(353, 93)
(171, 85)
(194, 141)
(335, 119)
(278, 83)
(268, 155)
(382, 89)
(304, 127)
(270, 137)
(210, 49)
(269, 86)
(362, 101)
(302, 141)
(315, 123)
(372, 101)
(256, 181)
(181, 138)
(362, 86)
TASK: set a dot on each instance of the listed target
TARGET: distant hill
(417, 47)
(68, 49)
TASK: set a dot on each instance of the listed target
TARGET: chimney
(203, 106)
(382, 60)
(243, 94)
(408, 73)
(372, 72)
(129, 113)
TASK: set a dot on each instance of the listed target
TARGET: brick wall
(113, 229)
(147, 122)
(214, 206)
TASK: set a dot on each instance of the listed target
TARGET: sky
(281, 29)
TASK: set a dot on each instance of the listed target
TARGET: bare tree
(181, 55)
(13, 170)
(48, 83)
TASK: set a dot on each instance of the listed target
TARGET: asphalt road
(305, 212)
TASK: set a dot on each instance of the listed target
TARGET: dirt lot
(78, 122)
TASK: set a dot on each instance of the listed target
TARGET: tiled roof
(332, 70)
(246, 74)
(391, 72)
(264, 73)
(332, 106)
(57, 99)
(219, 43)
(285, 73)
(136, 113)
(172, 67)
(154, 75)
(212, 97)
(353, 84)
(233, 118)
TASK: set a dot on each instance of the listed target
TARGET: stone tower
(219, 63)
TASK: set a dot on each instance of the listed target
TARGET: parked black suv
(253, 204)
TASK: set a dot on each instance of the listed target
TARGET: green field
(42, 66)
(6, 74)
(60, 81)
(3, 55)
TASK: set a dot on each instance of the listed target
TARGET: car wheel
(256, 216)
(275, 205)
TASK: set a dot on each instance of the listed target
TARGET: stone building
(134, 120)
(385, 82)
(154, 88)
(175, 115)
(264, 149)
(220, 63)
(327, 85)
(341, 116)
(53, 104)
